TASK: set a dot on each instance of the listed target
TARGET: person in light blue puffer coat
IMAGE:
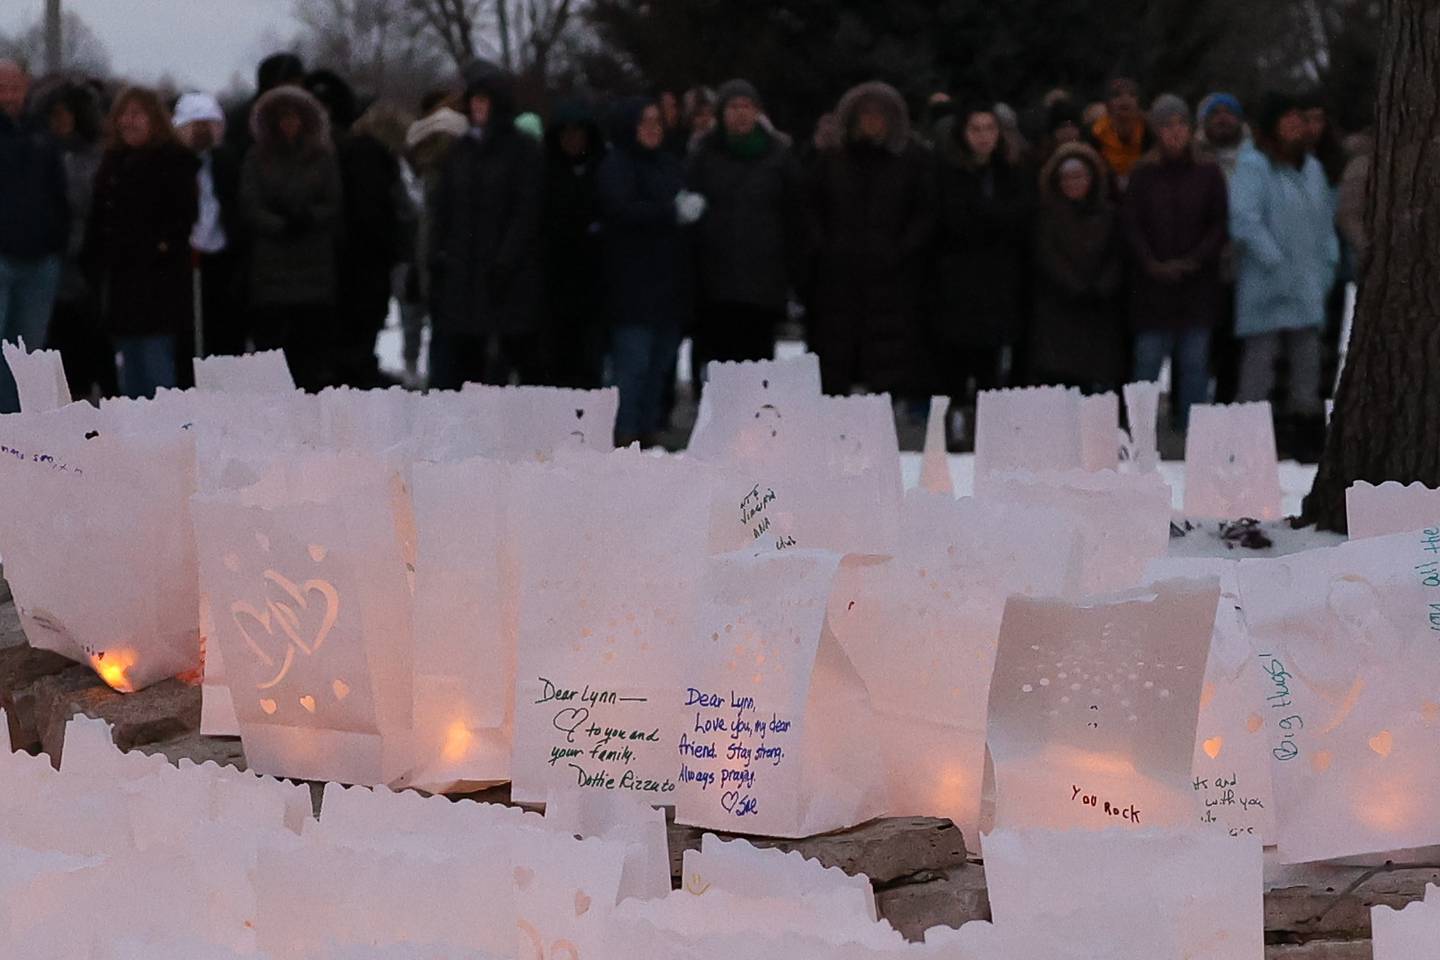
(1282, 215)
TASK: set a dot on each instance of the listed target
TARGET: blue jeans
(149, 364)
(27, 297)
(1189, 353)
(643, 358)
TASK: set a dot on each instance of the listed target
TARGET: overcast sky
(202, 43)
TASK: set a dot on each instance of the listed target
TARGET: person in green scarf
(751, 236)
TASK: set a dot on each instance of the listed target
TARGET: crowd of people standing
(1081, 243)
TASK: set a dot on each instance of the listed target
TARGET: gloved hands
(689, 207)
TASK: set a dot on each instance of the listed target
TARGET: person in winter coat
(1222, 134)
(378, 219)
(1077, 335)
(1222, 130)
(200, 125)
(1282, 221)
(145, 204)
(1175, 216)
(290, 195)
(1353, 197)
(644, 207)
(485, 244)
(76, 120)
(873, 220)
(985, 205)
(751, 235)
(276, 70)
(1121, 136)
(427, 144)
(576, 334)
(34, 224)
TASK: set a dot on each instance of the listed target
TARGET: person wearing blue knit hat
(1222, 130)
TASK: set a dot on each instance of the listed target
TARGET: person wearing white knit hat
(200, 125)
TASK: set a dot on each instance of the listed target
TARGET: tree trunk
(54, 38)
(502, 19)
(1386, 423)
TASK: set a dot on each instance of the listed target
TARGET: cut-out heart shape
(764, 384)
(278, 660)
(1382, 743)
(579, 414)
(524, 876)
(1212, 746)
(308, 702)
(269, 706)
(341, 688)
(289, 617)
(582, 903)
(1207, 693)
(1254, 723)
(1321, 761)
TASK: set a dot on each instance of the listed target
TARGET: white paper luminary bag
(611, 553)
(265, 372)
(638, 828)
(311, 607)
(935, 463)
(1409, 933)
(565, 892)
(1142, 893)
(741, 398)
(465, 610)
(97, 543)
(1123, 519)
(860, 438)
(921, 629)
(538, 422)
(1390, 508)
(39, 377)
(1030, 428)
(1100, 432)
(740, 868)
(1142, 406)
(1233, 788)
(1231, 469)
(771, 509)
(1093, 707)
(372, 420)
(313, 896)
(1346, 638)
(772, 711)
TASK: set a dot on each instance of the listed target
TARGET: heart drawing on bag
(286, 614)
(569, 720)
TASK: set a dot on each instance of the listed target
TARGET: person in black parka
(368, 151)
(146, 201)
(751, 235)
(647, 266)
(485, 250)
(576, 321)
(873, 212)
(985, 207)
(75, 116)
(290, 195)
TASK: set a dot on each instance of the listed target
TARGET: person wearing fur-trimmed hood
(873, 220)
(291, 197)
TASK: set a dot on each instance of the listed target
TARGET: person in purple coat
(1175, 219)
